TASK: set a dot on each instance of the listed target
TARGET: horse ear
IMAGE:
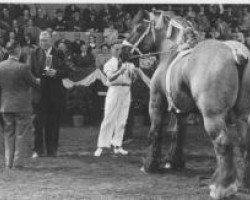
(138, 17)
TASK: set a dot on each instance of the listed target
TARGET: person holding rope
(120, 74)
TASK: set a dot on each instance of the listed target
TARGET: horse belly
(180, 91)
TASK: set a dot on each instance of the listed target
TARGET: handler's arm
(144, 77)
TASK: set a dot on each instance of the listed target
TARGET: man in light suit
(16, 108)
(48, 64)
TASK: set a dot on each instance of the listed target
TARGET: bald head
(45, 40)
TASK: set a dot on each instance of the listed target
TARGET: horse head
(149, 31)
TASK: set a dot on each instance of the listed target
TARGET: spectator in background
(18, 31)
(86, 59)
(103, 57)
(59, 23)
(92, 25)
(202, 20)
(11, 36)
(23, 20)
(76, 45)
(128, 22)
(238, 35)
(245, 23)
(76, 24)
(221, 27)
(110, 34)
(42, 20)
(28, 46)
(70, 11)
(92, 43)
(34, 31)
(214, 34)
(6, 18)
(190, 12)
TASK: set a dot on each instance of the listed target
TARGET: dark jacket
(52, 92)
(15, 81)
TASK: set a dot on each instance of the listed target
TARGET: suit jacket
(52, 93)
(15, 81)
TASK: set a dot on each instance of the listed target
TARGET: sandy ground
(76, 175)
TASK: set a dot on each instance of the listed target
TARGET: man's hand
(50, 72)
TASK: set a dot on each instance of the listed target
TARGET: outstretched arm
(143, 77)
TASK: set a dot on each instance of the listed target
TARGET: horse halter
(136, 44)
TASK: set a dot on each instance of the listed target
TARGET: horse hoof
(219, 192)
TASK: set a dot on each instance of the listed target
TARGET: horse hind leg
(243, 153)
(152, 160)
(223, 183)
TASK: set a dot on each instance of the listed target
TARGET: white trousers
(117, 105)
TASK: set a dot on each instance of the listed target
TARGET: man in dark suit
(48, 64)
(15, 81)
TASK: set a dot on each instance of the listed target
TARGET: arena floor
(76, 175)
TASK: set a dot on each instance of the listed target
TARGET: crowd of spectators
(23, 23)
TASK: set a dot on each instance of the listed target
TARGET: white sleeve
(110, 67)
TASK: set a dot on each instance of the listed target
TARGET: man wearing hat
(48, 64)
(16, 108)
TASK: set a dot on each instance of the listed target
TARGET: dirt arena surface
(76, 175)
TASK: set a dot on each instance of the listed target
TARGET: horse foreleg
(153, 156)
(223, 183)
(175, 159)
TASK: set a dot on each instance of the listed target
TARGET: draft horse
(214, 78)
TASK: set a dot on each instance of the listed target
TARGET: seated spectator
(202, 20)
(59, 23)
(103, 57)
(110, 34)
(33, 30)
(238, 35)
(23, 20)
(76, 24)
(86, 59)
(221, 27)
(214, 34)
(190, 12)
(18, 31)
(92, 43)
(42, 20)
(128, 24)
(11, 37)
(28, 46)
(70, 11)
(76, 45)
(245, 24)
(6, 19)
(92, 25)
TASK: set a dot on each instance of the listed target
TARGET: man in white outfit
(119, 79)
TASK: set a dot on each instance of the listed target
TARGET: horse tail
(240, 58)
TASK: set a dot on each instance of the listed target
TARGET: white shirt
(124, 79)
